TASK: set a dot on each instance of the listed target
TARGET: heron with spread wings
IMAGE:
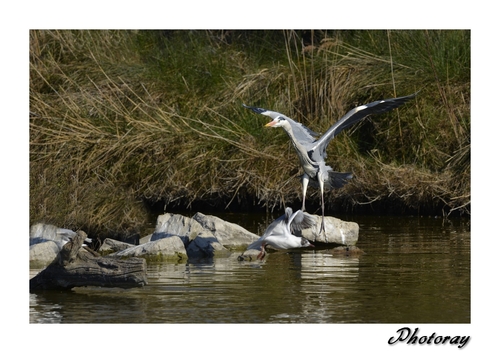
(312, 150)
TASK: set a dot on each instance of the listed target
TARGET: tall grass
(122, 120)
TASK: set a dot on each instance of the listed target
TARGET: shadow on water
(413, 270)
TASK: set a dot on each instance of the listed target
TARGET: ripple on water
(407, 261)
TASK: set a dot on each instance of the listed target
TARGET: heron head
(277, 122)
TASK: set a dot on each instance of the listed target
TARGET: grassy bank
(122, 121)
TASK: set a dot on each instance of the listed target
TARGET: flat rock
(206, 245)
(46, 240)
(249, 255)
(169, 224)
(145, 239)
(40, 233)
(178, 237)
(230, 235)
(112, 245)
(337, 231)
(42, 254)
(171, 248)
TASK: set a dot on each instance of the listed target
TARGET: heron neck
(288, 129)
(305, 161)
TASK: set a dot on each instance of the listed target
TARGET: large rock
(41, 233)
(206, 245)
(169, 224)
(177, 237)
(337, 231)
(42, 254)
(230, 235)
(171, 248)
(145, 239)
(111, 245)
(46, 240)
(198, 241)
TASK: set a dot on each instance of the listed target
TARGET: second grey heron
(312, 151)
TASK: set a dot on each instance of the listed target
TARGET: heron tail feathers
(336, 179)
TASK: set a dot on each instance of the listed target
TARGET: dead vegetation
(122, 120)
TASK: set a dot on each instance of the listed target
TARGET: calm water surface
(413, 270)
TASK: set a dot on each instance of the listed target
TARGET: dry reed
(123, 120)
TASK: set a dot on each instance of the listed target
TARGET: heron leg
(305, 182)
(321, 187)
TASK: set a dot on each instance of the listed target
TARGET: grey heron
(312, 151)
(279, 234)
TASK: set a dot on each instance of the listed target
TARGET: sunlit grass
(124, 119)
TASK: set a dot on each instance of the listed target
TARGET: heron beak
(271, 124)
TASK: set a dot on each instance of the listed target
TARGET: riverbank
(124, 123)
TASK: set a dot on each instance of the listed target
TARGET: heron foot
(322, 229)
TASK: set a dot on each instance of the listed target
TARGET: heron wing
(356, 114)
(302, 133)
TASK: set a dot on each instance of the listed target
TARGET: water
(413, 270)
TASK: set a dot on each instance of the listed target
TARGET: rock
(177, 237)
(249, 255)
(145, 239)
(40, 233)
(230, 235)
(78, 266)
(111, 245)
(170, 224)
(205, 245)
(129, 238)
(42, 254)
(171, 248)
(337, 231)
(46, 240)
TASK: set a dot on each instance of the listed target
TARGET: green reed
(124, 120)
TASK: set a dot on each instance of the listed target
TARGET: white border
(21, 16)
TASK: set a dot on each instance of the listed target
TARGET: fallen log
(78, 266)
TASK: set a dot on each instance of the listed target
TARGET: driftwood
(78, 266)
